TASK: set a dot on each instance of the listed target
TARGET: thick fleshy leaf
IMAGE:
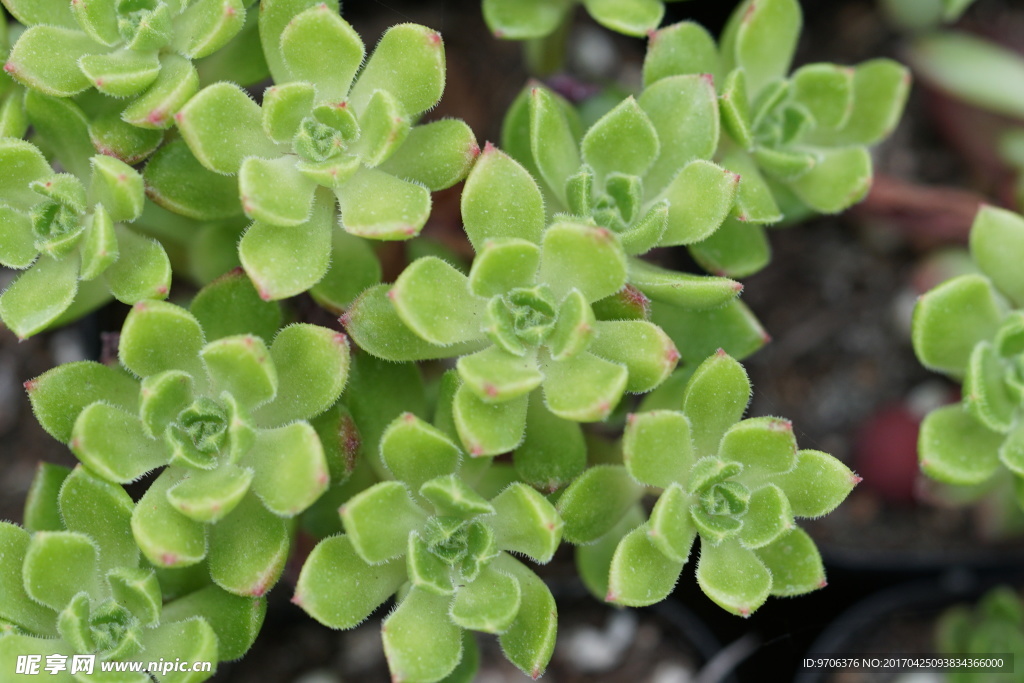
(162, 398)
(680, 49)
(697, 292)
(320, 47)
(840, 179)
(585, 388)
(768, 517)
(733, 577)
(670, 528)
(574, 327)
(951, 319)
(553, 452)
(698, 334)
(502, 265)
(121, 73)
(755, 201)
(452, 497)
(524, 19)
(761, 37)
(42, 512)
(118, 187)
(632, 17)
(142, 270)
(684, 111)
(275, 16)
(436, 154)
(59, 395)
(378, 521)
(700, 198)
(496, 375)
(230, 306)
(826, 91)
(159, 336)
(17, 242)
(354, 267)
(15, 604)
(291, 472)
(552, 143)
(817, 485)
(176, 84)
(59, 565)
(284, 108)
(248, 549)
(274, 191)
(222, 126)
(51, 12)
(525, 522)
(642, 347)
(794, 563)
(596, 501)
(455, 317)
(206, 496)
(24, 163)
(602, 145)
(420, 641)
(193, 640)
(37, 62)
(380, 206)
(338, 589)
(286, 260)
(408, 62)
(593, 562)
(39, 295)
(986, 395)
(765, 446)
(640, 573)
(501, 199)
(956, 449)
(657, 448)
(66, 128)
(578, 256)
(488, 604)
(716, 398)
(382, 129)
(736, 112)
(737, 249)
(112, 136)
(99, 245)
(312, 367)
(995, 235)
(530, 640)
(205, 26)
(236, 620)
(416, 452)
(102, 511)
(166, 537)
(488, 428)
(880, 89)
(177, 181)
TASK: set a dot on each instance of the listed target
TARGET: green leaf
(284, 108)
(696, 292)
(680, 49)
(585, 388)
(501, 199)
(39, 295)
(995, 234)
(291, 471)
(275, 15)
(121, 73)
(602, 145)
(230, 306)
(698, 334)
(794, 563)
(378, 521)
(416, 452)
(657, 448)
(206, 26)
(525, 522)
(552, 143)
(274, 191)
(488, 604)
(632, 17)
(488, 428)
(354, 267)
(312, 367)
(102, 511)
(642, 347)
(716, 398)
(684, 111)
(65, 126)
(241, 365)
(338, 589)
(178, 182)
(596, 501)
(880, 90)
(236, 620)
(737, 249)
(420, 641)
(192, 640)
(768, 517)
(956, 449)
(59, 395)
(17, 242)
(176, 84)
(733, 577)
(159, 336)
(502, 265)
(700, 198)
(452, 497)
(574, 255)
(640, 573)
(951, 319)
(15, 603)
(380, 206)
(761, 37)
(986, 395)
(207, 496)
(671, 529)
(59, 565)
(320, 47)
(524, 19)
(142, 270)
(455, 317)
(817, 485)
(138, 590)
(45, 58)
(24, 163)
(408, 62)
(99, 245)
(42, 512)
(286, 260)
(736, 115)
(765, 446)
(221, 125)
(826, 91)
(1011, 454)
(553, 452)
(840, 179)
(118, 187)
(436, 154)
(32, 12)
(248, 549)
(114, 444)
(162, 398)
(382, 129)
(496, 375)
(755, 201)
(530, 640)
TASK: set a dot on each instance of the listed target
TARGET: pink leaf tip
(489, 147)
(823, 583)
(709, 79)
(340, 339)
(434, 37)
(162, 290)
(856, 479)
(168, 559)
(611, 597)
(30, 385)
(721, 353)
(297, 600)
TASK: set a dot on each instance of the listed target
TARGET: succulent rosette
(76, 583)
(444, 548)
(737, 484)
(222, 411)
(68, 236)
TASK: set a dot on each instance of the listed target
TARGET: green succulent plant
(63, 232)
(13, 120)
(737, 484)
(970, 328)
(516, 20)
(75, 583)
(431, 537)
(223, 411)
(994, 626)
